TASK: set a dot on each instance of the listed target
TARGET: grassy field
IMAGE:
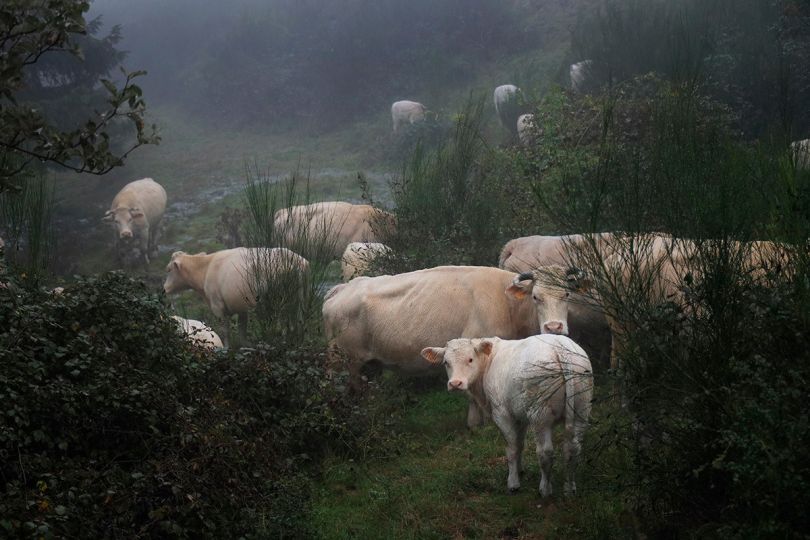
(440, 480)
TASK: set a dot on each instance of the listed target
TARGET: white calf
(539, 381)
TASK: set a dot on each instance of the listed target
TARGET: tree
(30, 32)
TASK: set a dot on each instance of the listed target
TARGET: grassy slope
(444, 481)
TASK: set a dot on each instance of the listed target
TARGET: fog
(314, 63)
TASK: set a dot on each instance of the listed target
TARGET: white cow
(507, 105)
(579, 73)
(801, 153)
(333, 223)
(586, 322)
(356, 260)
(407, 112)
(198, 333)
(226, 279)
(136, 212)
(537, 382)
(525, 128)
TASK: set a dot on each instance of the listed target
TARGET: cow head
(551, 287)
(466, 361)
(175, 281)
(124, 219)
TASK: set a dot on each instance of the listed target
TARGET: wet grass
(441, 480)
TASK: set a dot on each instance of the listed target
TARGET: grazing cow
(390, 319)
(525, 128)
(537, 382)
(507, 105)
(657, 256)
(579, 74)
(198, 333)
(654, 264)
(583, 318)
(226, 279)
(356, 260)
(801, 153)
(407, 112)
(136, 212)
(334, 224)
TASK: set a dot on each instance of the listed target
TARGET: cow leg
(513, 433)
(475, 417)
(154, 235)
(572, 446)
(144, 245)
(243, 318)
(545, 455)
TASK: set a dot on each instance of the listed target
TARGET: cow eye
(469, 360)
(567, 294)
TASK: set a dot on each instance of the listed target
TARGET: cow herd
(518, 339)
(509, 104)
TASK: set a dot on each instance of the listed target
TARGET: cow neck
(522, 314)
(195, 268)
(477, 390)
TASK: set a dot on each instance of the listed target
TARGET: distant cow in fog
(336, 224)
(801, 153)
(226, 279)
(525, 127)
(136, 213)
(358, 256)
(407, 112)
(199, 333)
(579, 74)
(507, 105)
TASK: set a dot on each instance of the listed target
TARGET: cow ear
(108, 216)
(136, 213)
(484, 347)
(518, 291)
(434, 355)
(519, 287)
(578, 280)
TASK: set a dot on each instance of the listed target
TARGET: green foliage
(712, 369)
(113, 425)
(289, 305)
(26, 219)
(751, 55)
(448, 200)
(28, 31)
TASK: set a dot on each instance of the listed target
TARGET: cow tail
(571, 398)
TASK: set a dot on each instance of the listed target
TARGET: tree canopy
(47, 49)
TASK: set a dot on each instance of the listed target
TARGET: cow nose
(126, 234)
(553, 327)
(455, 384)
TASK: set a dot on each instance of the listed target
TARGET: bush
(448, 201)
(114, 426)
(709, 376)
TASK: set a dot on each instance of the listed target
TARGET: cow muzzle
(555, 327)
(455, 384)
(126, 234)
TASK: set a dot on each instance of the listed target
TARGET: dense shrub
(448, 201)
(751, 55)
(712, 424)
(113, 426)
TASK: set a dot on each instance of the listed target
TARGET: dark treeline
(750, 55)
(316, 62)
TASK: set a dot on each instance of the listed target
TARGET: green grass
(441, 480)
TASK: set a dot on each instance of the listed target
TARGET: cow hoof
(513, 490)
